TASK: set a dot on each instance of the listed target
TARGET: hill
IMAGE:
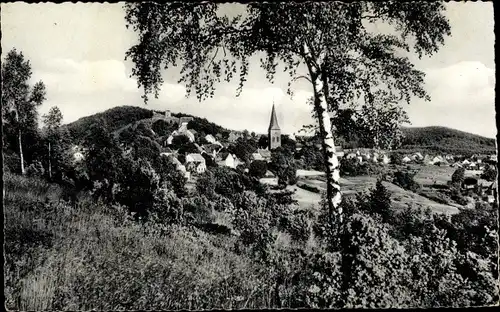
(446, 140)
(118, 118)
(112, 119)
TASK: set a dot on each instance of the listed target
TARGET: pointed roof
(273, 125)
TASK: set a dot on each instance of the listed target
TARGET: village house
(228, 160)
(385, 159)
(196, 162)
(406, 159)
(210, 139)
(265, 154)
(269, 178)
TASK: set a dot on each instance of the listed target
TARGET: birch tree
(329, 44)
(19, 100)
(52, 124)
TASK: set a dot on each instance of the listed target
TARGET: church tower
(274, 132)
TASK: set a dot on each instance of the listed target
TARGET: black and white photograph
(249, 155)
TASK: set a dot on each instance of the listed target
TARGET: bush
(405, 179)
(35, 170)
(258, 168)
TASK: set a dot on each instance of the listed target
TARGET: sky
(78, 51)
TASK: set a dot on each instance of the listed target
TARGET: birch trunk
(20, 142)
(334, 195)
(50, 164)
(21, 156)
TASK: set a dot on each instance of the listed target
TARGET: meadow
(90, 256)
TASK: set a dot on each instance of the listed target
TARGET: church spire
(273, 125)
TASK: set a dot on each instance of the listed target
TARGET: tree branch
(302, 76)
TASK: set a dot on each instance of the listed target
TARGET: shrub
(458, 176)
(258, 168)
(35, 169)
(405, 179)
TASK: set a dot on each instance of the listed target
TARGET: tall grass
(89, 256)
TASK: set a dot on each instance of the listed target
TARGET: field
(400, 197)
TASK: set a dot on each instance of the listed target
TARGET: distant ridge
(446, 140)
(434, 138)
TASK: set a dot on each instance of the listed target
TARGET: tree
(490, 173)
(283, 165)
(19, 100)
(378, 123)
(345, 61)
(258, 168)
(52, 122)
(457, 178)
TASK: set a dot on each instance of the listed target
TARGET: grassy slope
(90, 257)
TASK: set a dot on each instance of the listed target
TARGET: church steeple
(273, 124)
(274, 131)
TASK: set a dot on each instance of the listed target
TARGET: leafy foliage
(258, 168)
(490, 173)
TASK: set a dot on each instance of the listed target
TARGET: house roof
(264, 153)
(257, 156)
(269, 174)
(195, 157)
(210, 148)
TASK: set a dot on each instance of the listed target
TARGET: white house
(360, 159)
(406, 159)
(210, 138)
(228, 160)
(385, 159)
(171, 137)
(190, 135)
(196, 161)
(466, 162)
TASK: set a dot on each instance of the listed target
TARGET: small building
(210, 139)
(228, 160)
(406, 159)
(196, 162)
(469, 183)
(265, 154)
(385, 159)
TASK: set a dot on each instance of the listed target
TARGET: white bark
(21, 156)
(334, 195)
(19, 138)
